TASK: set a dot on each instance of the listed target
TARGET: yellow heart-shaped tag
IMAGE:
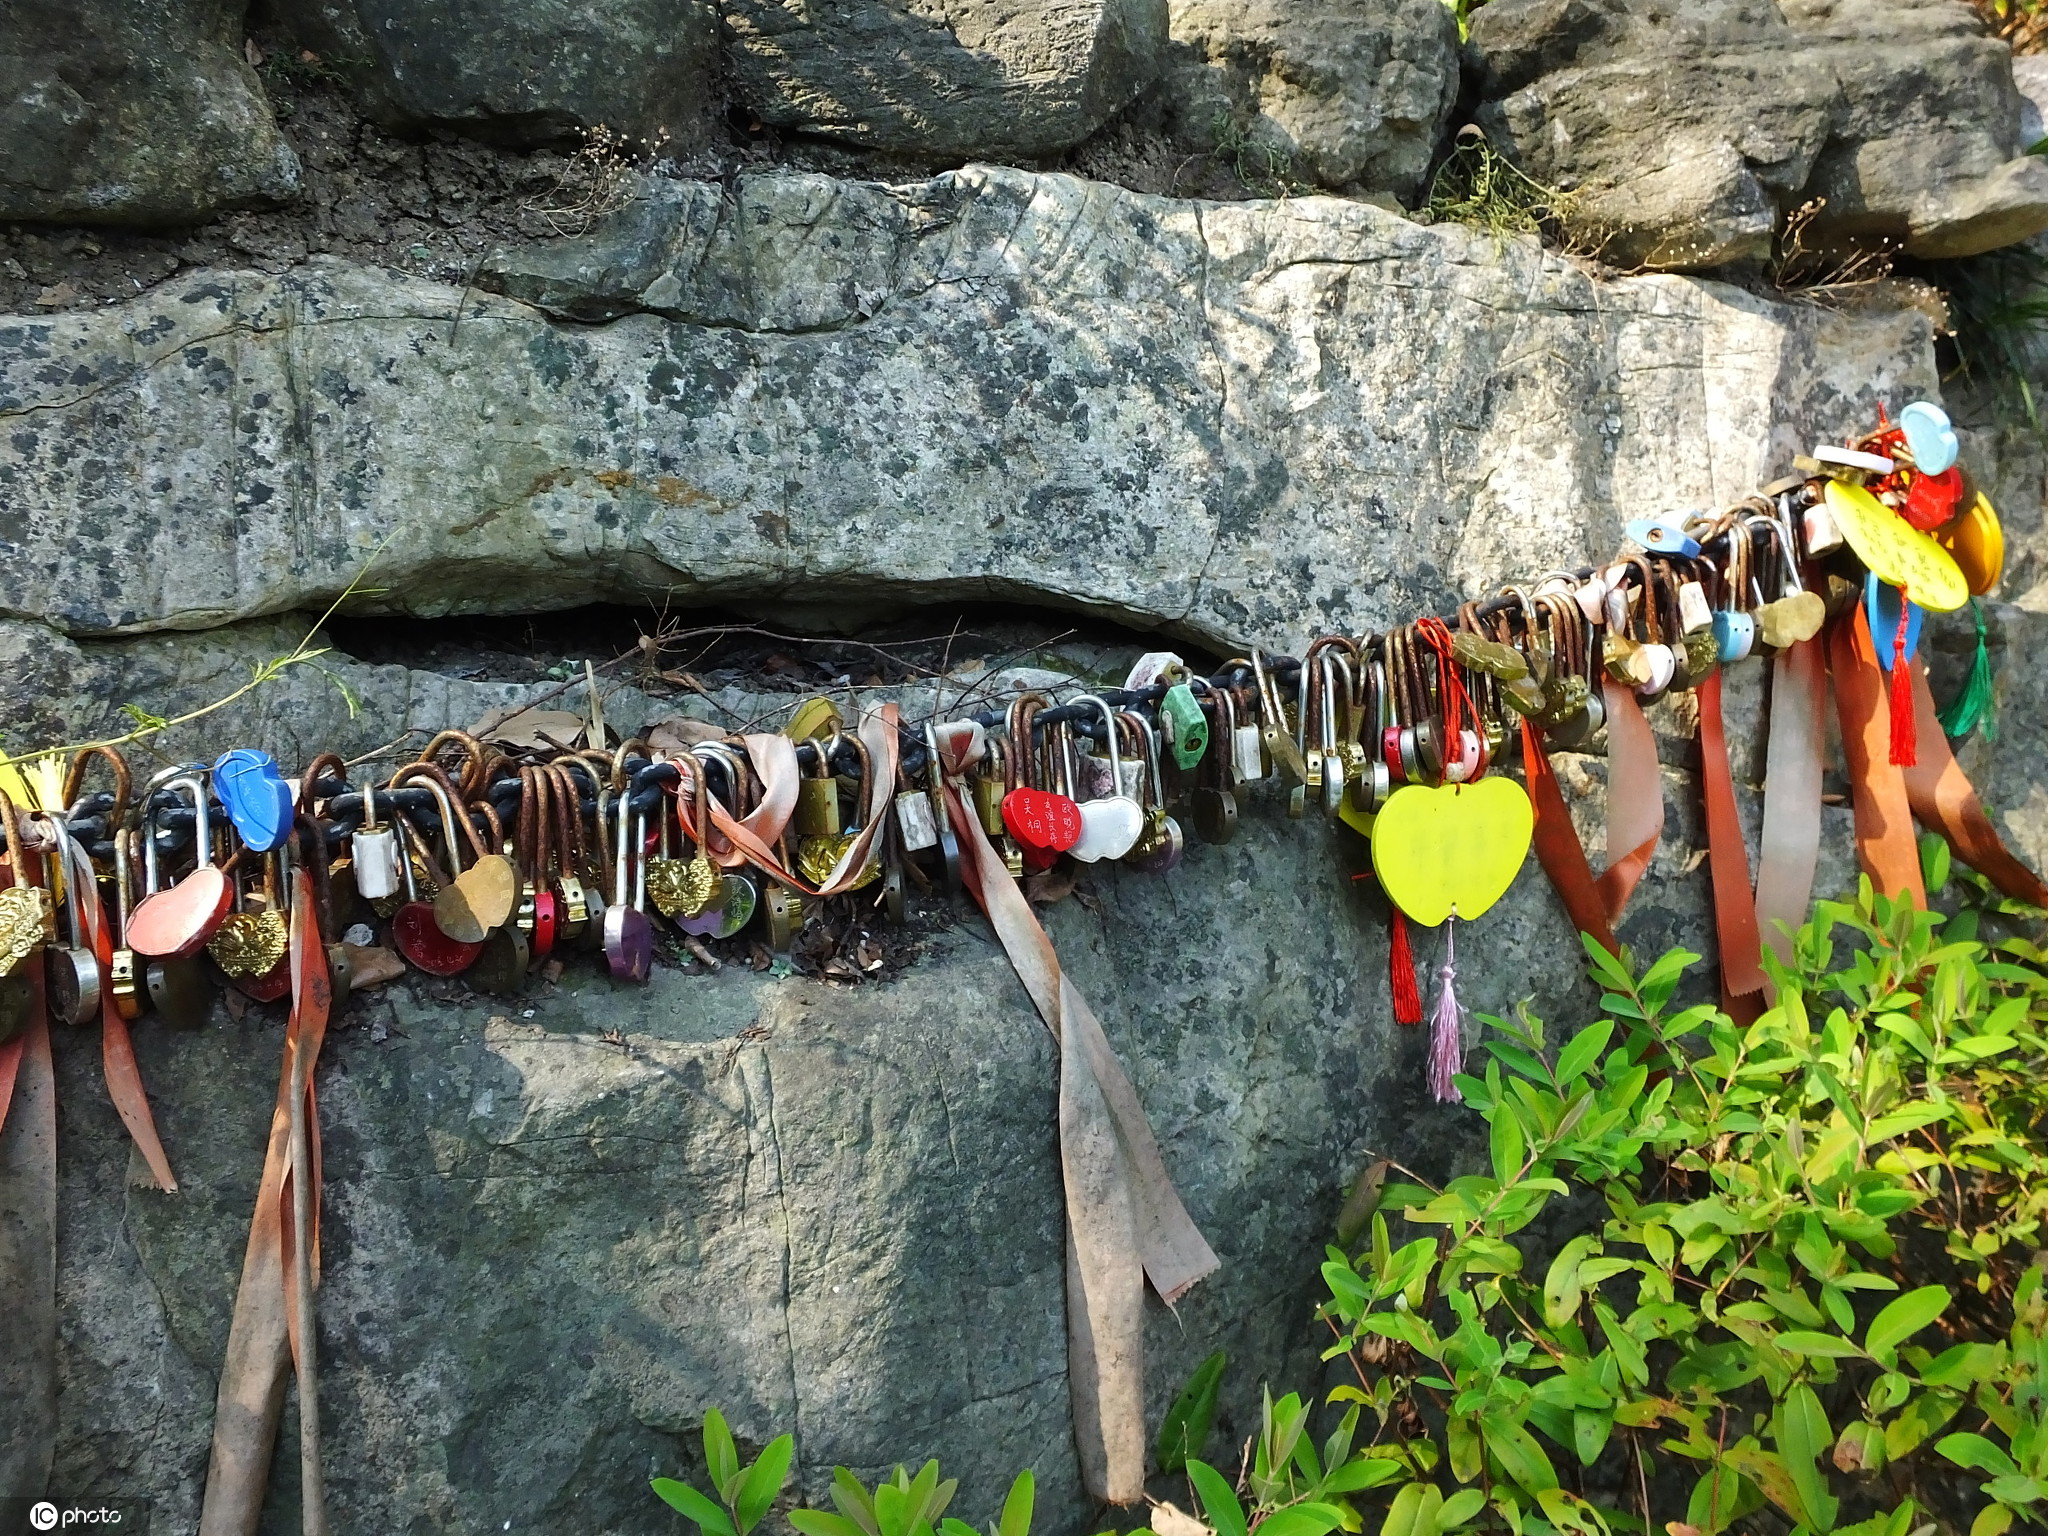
(1897, 551)
(1455, 849)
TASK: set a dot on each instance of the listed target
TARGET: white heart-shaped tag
(1108, 829)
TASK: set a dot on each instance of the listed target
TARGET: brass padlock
(817, 797)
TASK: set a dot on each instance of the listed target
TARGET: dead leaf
(679, 733)
(528, 730)
(1170, 1520)
(252, 53)
(237, 1004)
(1054, 885)
(372, 965)
(57, 296)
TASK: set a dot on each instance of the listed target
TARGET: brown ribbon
(1885, 844)
(1944, 800)
(1125, 1221)
(117, 1048)
(1558, 848)
(1789, 850)
(28, 1253)
(1635, 798)
(261, 1335)
(1742, 970)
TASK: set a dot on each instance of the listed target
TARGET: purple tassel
(1447, 1026)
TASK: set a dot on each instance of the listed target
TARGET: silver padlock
(1823, 534)
(373, 853)
(914, 821)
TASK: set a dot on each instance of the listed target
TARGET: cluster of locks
(479, 862)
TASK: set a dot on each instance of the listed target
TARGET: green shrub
(1781, 1278)
(1813, 1274)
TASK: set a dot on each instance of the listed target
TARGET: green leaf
(1413, 1512)
(1992, 1520)
(818, 1522)
(1507, 1144)
(1017, 1507)
(1562, 1292)
(1583, 1049)
(720, 1454)
(1460, 1509)
(1824, 1346)
(1519, 1455)
(854, 1501)
(764, 1481)
(1185, 1428)
(1976, 1453)
(1304, 1519)
(1715, 1501)
(1934, 862)
(1801, 1428)
(693, 1505)
(1219, 1504)
(1903, 1317)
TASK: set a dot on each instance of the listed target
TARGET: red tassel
(1905, 745)
(1401, 973)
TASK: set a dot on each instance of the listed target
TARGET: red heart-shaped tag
(172, 924)
(1931, 499)
(1042, 820)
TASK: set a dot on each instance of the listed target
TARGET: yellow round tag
(1897, 551)
(1976, 542)
(1455, 849)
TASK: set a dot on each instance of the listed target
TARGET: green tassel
(1972, 709)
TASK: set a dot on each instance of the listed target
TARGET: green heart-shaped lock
(1183, 725)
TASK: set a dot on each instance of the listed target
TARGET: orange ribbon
(1742, 970)
(1558, 848)
(1944, 800)
(1885, 843)
(262, 1336)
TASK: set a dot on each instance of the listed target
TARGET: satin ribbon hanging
(263, 1333)
(1885, 843)
(117, 1047)
(28, 1250)
(1558, 848)
(1742, 972)
(1789, 850)
(878, 733)
(1946, 802)
(1635, 799)
(1125, 1221)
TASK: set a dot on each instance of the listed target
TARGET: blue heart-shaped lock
(1930, 436)
(258, 800)
(1734, 633)
(1881, 608)
(1662, 536)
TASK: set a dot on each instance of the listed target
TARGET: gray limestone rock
(1690, 130)
(558, 1229)
(993, 384)
(523, 71)
(1353, 95)
(945, 78)
(133, 114)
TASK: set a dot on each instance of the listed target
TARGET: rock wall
(834, 375)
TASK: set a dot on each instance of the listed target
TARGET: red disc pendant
(420, 939)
